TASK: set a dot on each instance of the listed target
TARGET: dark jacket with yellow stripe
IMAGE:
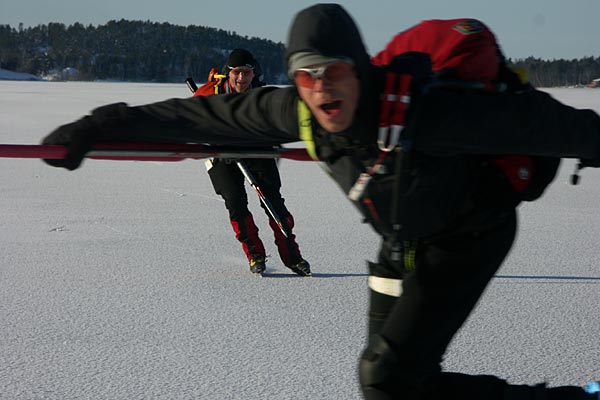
(448, 184)
(452, 133)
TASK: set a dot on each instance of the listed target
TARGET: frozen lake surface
(122, 280)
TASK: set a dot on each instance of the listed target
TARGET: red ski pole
(150, 152)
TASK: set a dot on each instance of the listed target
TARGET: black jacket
(448, 179)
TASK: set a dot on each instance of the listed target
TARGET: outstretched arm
(532, 122)
(264, 116)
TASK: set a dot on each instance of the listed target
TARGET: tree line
(557, 73)
(144, 51)
(138, 51)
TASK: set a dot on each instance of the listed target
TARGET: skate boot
(301, 268)
(257, 265)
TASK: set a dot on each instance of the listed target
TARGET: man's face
(240, 79)
(331, 91)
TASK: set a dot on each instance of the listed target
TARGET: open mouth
(332, 108)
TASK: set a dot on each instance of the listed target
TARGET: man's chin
(242, 88)
(334, 125)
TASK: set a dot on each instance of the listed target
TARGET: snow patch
(7, 75)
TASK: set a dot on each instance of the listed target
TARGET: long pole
(249, 177)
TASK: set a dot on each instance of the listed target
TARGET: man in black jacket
(450, 224)
(227, 177)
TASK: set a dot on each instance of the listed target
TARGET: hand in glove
(78, 137)
(81, 135)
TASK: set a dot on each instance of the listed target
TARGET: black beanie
(240, 58)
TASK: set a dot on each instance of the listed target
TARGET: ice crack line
(183, 194)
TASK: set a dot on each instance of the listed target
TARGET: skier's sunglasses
(241, 70)
(334, 72)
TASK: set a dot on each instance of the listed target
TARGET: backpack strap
(394, 103)
(395, 100)
(305, 129)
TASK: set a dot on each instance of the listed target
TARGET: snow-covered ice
(123, 280)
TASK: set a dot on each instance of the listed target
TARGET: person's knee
(380, 373)
(237, 206)
(377, 363)
(241, 216)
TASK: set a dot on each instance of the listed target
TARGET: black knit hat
(240, 58)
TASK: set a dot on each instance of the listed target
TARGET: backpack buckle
(389, 137)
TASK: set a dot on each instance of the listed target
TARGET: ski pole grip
(191, 84)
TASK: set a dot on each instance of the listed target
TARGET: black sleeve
(532, 122)
(264, 116)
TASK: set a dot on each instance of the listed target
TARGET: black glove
(81, 135)
(78, 136)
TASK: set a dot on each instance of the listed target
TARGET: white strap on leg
(387, 286)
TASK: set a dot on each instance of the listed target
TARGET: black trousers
(449, 277)
(229, 182)
(439, 292)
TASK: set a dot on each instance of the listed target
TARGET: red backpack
(213, 84)
(466, 50)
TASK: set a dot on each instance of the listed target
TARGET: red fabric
(246, 232)
(469, 49)
(208, 89)
(465, 45)
(517, 169)
(286, 246)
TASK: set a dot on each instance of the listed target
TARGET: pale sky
(547, 29)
